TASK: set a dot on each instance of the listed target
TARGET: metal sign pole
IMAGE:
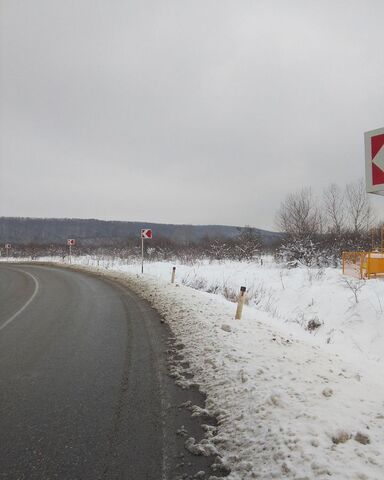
(71, 242)
(144, 233)
(142, 255)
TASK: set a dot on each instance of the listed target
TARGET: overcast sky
(183, 111)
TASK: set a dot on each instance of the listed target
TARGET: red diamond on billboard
(377, 152)
(374, 161)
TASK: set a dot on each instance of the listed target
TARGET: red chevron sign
(374, 160)
(146, 233)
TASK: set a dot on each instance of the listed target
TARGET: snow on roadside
(286, 408)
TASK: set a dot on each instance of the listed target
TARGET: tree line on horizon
(314, 232)
(247, 245)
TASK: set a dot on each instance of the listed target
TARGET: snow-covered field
(294, 299)
(297, 384)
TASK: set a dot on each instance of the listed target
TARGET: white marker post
(240, 303)
(8, 246)
(173, 275)
(145, 233)
(71, 242)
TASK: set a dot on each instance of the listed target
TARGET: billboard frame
(370, 188)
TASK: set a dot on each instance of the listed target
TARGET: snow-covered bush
(297, 252)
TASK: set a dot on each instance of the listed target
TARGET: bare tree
(299, 215)
(358, 207)
(247, 245)
(334, 208)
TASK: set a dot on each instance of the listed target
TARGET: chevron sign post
(71, 242)
(374, 161)
(145, 233)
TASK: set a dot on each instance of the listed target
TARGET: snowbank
(286, 408)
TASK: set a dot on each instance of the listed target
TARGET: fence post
(240, 303)
(173, 275)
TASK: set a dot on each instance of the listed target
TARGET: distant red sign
(146, 233)
(71, 242)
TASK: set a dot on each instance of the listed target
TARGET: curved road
(84, 391)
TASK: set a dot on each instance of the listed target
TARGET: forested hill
(92, 232)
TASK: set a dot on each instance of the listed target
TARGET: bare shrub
(315, 274)
(199, 283)
(231, 294)
(269, 305)
(256, 294)
(355, 286)
(213, 288)
(193, 280)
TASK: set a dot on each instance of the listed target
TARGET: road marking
(7, 322)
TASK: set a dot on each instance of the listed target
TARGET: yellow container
(363, 264)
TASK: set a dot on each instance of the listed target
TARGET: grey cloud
(185, 112)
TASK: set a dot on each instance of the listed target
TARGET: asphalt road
(84, 390)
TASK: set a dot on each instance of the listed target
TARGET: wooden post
(240, 303)
(142, 255)
(173, 275)
(70, 253)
